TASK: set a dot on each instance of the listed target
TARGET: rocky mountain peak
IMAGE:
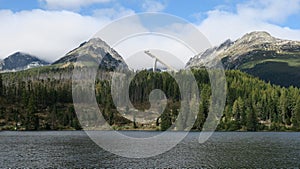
(98, 49)
(260, 34)
(21, 61)
(259, 54)
(95, 42)
(256, 37)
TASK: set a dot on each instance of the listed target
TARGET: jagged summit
(253, 41)
(21, 61)
(256, 37)
(258, 34)
(95, 48)
(259, 54)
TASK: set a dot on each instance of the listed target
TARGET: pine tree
(296, 114)
(283, 106)
(166, 120)
(200, 117)
(251, 121)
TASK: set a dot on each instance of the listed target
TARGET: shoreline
(192, 131)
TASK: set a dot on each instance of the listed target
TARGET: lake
(74, 149)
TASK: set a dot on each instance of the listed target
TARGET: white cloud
(269, 10)
(253, 15)
(47, 34)
(134, 34)
(51, 34)
(70, 4)
(168, 50)
(153, 6)
(113, 13)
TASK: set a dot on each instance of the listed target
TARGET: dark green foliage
(280, 73)
(251, 122)
(296, 114)
(165, 121)
(29, 101)
(34, 104)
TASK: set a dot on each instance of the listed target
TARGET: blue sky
(27, 23)
(175, 7)
(194, 11)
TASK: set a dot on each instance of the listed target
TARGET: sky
(51, 28)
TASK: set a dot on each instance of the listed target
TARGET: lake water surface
(74, 149)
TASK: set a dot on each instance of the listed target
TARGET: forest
(43, 101)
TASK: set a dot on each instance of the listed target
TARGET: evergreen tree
(283, 106)
(251, 120)
(296, 114)
(165, 121)
(200, 117)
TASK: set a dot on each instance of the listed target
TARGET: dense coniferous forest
(43, 101)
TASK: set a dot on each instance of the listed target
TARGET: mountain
(259, 54)
(21, 61)
(96, 49)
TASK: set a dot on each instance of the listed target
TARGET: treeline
(255, 105)
(251, 104)
(37, 105)
(47, 104)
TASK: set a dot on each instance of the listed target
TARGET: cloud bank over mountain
(60, 25)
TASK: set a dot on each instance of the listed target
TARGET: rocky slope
(96, 49)
(260, 54)
(20, 61)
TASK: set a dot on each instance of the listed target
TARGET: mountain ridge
(21, 61)
(97, 49)
(259, 54)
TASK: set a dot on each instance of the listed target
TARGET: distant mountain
(21, 61)
(259, 54)
(96, 49)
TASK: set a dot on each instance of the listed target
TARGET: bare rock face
(96, 49)
(20, 61)
(257, 53)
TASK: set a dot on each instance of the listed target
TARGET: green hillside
(259, 54)
(37, 99)
(277, 68)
